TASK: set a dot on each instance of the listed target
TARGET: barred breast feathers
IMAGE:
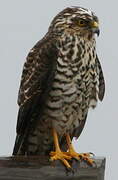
(79, 55)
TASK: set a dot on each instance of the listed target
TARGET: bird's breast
(70, 95)
(63, 106)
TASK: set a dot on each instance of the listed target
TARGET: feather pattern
(62, 78)
(38, 69)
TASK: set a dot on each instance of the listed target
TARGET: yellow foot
(82, 156)
(62, 156)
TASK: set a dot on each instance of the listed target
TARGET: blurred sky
(22, 24)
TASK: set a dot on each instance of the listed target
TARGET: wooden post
(39, 168)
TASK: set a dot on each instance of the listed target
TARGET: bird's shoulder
(39, 62)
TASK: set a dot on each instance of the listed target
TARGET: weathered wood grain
(39, 168)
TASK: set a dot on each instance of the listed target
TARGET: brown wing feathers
(101, 81)
(36, 81)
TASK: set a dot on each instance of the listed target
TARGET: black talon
(75, 164)
(92, 154)
(69, 170)
(87, 162)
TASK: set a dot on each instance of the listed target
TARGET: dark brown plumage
(62, 78)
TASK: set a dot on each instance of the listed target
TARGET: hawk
(62, 79)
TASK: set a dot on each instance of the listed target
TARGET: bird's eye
(81, 23)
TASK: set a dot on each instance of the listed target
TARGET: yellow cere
(95, 24)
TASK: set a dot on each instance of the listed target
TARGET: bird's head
(76, 20)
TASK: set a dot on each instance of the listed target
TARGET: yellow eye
(81, 23)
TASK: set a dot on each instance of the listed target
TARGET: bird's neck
(75, 50)
(70, 40)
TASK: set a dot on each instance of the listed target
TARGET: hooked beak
(95, 27)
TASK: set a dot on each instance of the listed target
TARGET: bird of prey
(62, 79)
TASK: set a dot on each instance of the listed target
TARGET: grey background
(22, 24)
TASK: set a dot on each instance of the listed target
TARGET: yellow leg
(71, 152)
(58, 154)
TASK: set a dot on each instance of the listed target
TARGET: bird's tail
(18, 145)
